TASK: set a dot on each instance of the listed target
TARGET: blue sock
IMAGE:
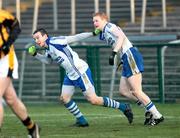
(114, 104)
(122, 107)
(73, 108)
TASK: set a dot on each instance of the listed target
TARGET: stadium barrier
(41, 83)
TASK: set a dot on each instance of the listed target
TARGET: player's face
(40, 39)
(99, 22)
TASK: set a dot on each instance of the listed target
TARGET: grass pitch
(56, 121)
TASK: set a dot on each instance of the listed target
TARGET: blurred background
(153, 26)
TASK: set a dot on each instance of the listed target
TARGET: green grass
(56, 122)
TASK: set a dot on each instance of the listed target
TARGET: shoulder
(58, 40)
(113, 26)
(110, 27)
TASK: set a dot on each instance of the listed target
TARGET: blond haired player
(131, 80)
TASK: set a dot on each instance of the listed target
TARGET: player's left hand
(96, 32)
(5, 48)
(112, 58)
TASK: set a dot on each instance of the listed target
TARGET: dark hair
(41, 30)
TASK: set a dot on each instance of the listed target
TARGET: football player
(78, 73)
(9, 31)
(132, 66)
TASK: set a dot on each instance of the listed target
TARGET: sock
(152, 108)
(139, 103)
(28, 123)
(73, 108)
(114, 104)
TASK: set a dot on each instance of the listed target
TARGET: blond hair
(102, 15)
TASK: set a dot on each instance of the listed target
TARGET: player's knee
(64, 99)
(122, 91)
(136, 93)
(11, 101)
(61, 99)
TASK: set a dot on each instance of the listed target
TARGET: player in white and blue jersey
(132, 68)
(78, 73)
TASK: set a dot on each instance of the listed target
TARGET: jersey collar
(47, 42)
(101, 37)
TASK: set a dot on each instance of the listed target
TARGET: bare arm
(78, 37)
(43, 58)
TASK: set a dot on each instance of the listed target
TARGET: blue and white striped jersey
(109, 35)
(60, 52)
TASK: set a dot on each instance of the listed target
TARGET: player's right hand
(96, 32)
(32, 50)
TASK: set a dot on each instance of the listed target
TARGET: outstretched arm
(81, 36)
(78, 37)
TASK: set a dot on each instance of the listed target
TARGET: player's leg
(66, 94)
(3, 86)
(1, 114)
(87, 86)
(126, 91)
(136, 83)
(132, 68)
(108, 102)
(103, 101)
(20, 110)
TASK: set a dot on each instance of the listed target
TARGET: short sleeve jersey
(111, 38)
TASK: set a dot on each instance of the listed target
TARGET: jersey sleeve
(78, 37)
(14, 30)
(44, 58)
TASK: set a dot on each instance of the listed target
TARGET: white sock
(152, 108)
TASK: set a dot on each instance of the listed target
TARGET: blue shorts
(132, 62)
(84, 82)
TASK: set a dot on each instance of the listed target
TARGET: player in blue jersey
(132, 66)
(78, 73)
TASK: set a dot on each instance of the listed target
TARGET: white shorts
(4, 67)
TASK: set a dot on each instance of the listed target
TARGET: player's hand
(112, 58)
(5, 48)
(96, 32)
(32, 50)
